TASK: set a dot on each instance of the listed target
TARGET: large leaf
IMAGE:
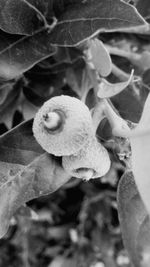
(26, 172)
(17, 56)
(20, 17)
(134, 221)
(82, 19)
(140, 146)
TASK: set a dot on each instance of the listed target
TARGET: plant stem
(119, 52)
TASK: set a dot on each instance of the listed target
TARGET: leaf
(28, 109)
(143, 242)
(146, 79)
(129, 104)
(26, 172)
(78, 79)
(18, 56)
(77, 22)
(5, 88)
(107, 89)
(134, 220)
(43, 84)
(68, 54)
(100, 57)
(45, 7)
(143, 6)
(140, 146)
(81, 20)
(10, 103)
(20, 17)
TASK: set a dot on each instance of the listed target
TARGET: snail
(63, 125)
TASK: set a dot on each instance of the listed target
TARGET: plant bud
(92, 161)
(63, 125)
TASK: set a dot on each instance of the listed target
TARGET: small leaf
(134, 220)
(26, 172)
(107, 89)
(100, 57)
(20, 17)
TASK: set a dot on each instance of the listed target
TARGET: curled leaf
(107, 89)
(100, 57)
